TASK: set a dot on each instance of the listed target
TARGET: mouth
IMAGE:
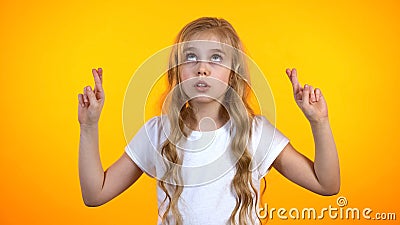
(201, 84)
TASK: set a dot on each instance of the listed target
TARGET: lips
(201, 83)
(201, 86)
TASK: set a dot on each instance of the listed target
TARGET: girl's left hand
(310, 100)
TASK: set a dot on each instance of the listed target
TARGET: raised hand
(310, 100)
(92, 100)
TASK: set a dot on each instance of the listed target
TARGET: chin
(202, 99)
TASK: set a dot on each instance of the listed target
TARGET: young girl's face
(205, 71)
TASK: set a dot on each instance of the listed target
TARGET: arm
(99, 186)
(323, 175)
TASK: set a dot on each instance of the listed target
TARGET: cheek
(185, 73)
(223, 74)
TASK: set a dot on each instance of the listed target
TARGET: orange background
(349, 49)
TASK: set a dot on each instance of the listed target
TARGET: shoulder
(260, 122)
(156, 129)
(264, 134)
(157, 122)
(150, 136)
(266, 143)
(257, 124)
(153, 121)
(257, 119)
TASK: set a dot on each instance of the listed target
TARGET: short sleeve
(267, 142)
(143, 146)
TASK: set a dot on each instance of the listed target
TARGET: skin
(323, 175)
(98, 186)
(212, 67)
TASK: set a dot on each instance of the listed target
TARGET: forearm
(326, 163)
(91, 173)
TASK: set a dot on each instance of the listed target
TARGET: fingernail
(306, 85)
(89, 88)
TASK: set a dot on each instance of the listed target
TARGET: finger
(100, 72)
(97, 81)
(318, 93)
(295, 82)
(306, 94)
(312, 95)
(299, 95)
(80, 100)
(288, 72)
(85, 97)
(91, 96)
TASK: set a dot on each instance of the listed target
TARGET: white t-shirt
(208, 167)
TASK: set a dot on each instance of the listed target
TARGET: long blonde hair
(242, 184)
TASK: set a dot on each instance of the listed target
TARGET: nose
(202, 69)
(203, 73)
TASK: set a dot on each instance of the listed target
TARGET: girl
(209, 151)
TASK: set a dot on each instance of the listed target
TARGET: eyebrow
(211, 50)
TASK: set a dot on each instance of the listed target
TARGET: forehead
(203, 45)
(205, 36)
(206, 41)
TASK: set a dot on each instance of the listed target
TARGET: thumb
(91, 95)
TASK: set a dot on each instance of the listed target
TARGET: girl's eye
(216, 58)
(191, 57)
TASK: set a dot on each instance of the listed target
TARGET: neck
(208, 116)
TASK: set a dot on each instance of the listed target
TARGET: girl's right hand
(91, 101)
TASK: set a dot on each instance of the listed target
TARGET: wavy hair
(238, 110)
